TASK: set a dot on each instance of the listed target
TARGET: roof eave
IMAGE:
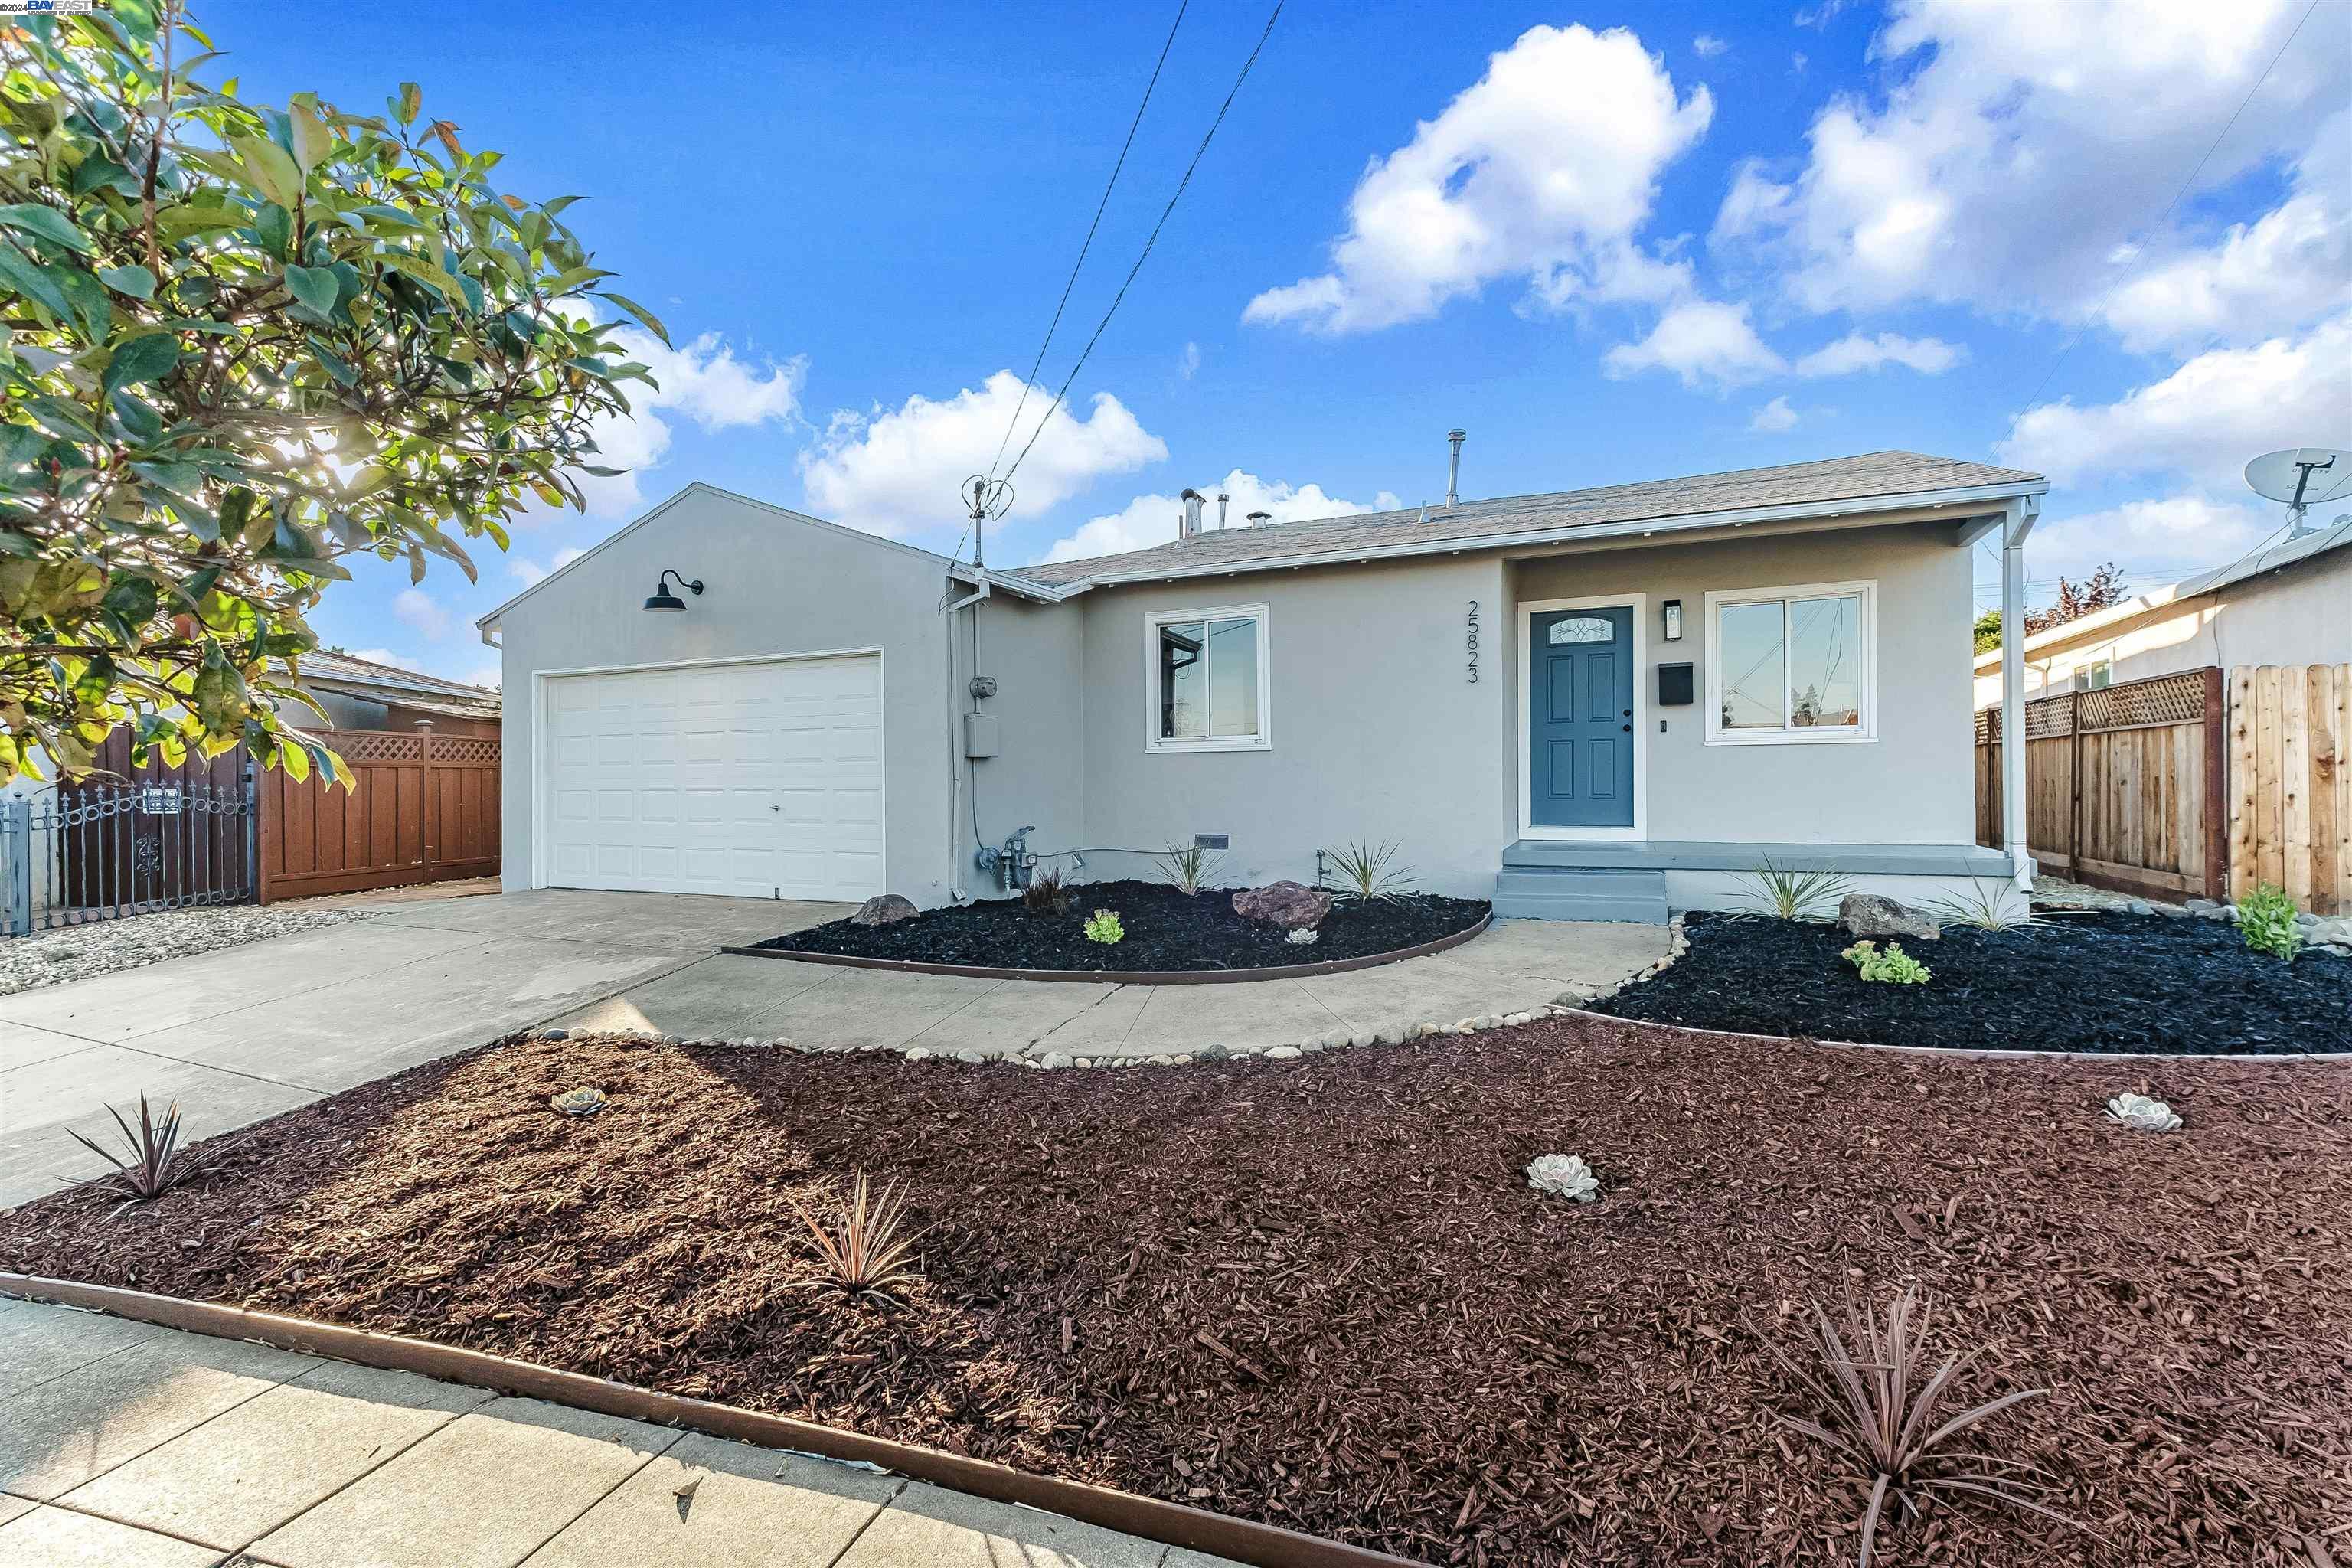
(1791, 511)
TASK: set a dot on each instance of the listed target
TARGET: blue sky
(1615, 242)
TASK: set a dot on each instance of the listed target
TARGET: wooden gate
(425, 809)
(2124, 785)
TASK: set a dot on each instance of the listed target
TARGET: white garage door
(748, 779)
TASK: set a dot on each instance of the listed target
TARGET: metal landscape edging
(1990, 1053)
(1129, 976)
(1176, 1524)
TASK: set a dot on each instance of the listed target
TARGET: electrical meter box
(979, 735)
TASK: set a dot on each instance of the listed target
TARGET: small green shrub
(1103, 926)
(1364, 872)
(2267, 919)
(1790, 895)
(1894, 966)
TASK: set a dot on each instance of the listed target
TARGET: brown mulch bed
(1320, 1292)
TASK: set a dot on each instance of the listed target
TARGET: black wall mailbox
(1675, 683)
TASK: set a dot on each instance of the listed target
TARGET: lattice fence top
(358, 746)
(466, 747)
(2177, 699)
(2138, 704)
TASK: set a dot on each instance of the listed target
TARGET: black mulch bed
(1165, 930)
(2082, 982)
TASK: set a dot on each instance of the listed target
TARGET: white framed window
(1205, 680)
(1794, 666)
(2099, 673)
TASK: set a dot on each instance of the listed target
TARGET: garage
(754, 779)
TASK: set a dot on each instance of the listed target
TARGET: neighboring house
(1596, 704)
(2291, 604)
(360, 694)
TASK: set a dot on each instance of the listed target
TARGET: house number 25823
(1472, 640)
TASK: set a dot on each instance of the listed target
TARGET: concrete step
(1580, 893)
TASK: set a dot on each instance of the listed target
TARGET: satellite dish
(2302, 476)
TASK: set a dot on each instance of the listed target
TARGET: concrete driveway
(248, 1032)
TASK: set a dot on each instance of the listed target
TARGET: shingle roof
(339, 671)
(1872, 474)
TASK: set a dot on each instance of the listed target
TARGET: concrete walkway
(123, 1446)
(1514, 966)
(248, 1032)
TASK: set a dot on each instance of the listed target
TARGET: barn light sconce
(663, 599)
(1674, 620)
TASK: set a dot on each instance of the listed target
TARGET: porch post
(2015, 526)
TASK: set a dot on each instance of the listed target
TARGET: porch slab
(1574, 953)
(1850, 859)
(1434, 992)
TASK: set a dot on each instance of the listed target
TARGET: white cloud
(2288, 267)
(529, 572)
(2205, 419)
(704, 382)
(1189, 360)
(1703, 342)
(1775, 416)
(2163, 538)
(422, 611)
(379, 656)
(1544, 170)
(2015, 146)
(1151, 520)
(1859, 352)
(899, 470)
(1706, 46)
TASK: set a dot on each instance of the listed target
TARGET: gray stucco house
(1597, 703)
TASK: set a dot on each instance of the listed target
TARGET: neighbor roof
(1869, 477)
(340, 672)
(2276, 558)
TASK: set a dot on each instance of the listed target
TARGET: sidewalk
(125, 1446)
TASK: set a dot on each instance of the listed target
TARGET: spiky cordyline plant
(1988, 907)
(157, 1163)
(1871, 1413)
(860, 1241)
(1189, 867)
(1365, 874)
(1790, 895)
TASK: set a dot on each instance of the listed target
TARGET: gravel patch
(103, 947)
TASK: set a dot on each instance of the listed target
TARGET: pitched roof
(364, 677)
(2275, 558)
(1870, 475)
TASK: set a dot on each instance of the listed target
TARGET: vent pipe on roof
(1453, 466)
(1222, 498)
(1258, 519)
(1191, 527)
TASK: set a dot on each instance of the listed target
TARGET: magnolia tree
(239, 345)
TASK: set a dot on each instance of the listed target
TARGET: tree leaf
(313, 139)
(314, 286)
(45, 285)
(271, 168)
(148, 357)
(412, 100)
(652, 323)
(45, 223)
(134, 281)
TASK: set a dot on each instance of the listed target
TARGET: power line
(1154, 239)
(2185, 186)
(1063, 304)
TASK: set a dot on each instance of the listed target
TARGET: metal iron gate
(101, 851)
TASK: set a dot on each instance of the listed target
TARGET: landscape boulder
(1870, 915)
(1290, 905)
(883, 909)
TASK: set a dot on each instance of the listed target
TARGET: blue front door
(1580, 718)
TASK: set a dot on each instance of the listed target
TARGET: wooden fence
(2187, 786)
(425, 809)
(2291, 783)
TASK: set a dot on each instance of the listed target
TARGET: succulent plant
(1564, 1176)
(1304, 936)
(579, 1101)
(2143, 1114)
